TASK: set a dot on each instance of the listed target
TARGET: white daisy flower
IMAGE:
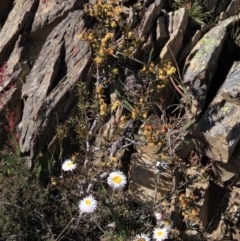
(116, 180)
(68, 165)
(88, 204)
(141, 237)
(160, 234)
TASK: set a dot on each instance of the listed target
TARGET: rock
(212, 5)
(232, 8)
(143, 181)
(231, 88)
(233, 214)
(201, 63)
(6, 6)
(179, 21)
(172, 47)
(161, 33)
(217, 6)
(189, 235)
(222, 6)
(222, 16)
(48, 98)
(235, 234)
(221, 231)
(220, 126)
(144, 30)
(189, 46)
(147, 46)
(132, 18)
(17, 19)
(226, 171)
(233, 209)
(150, 17)
(51, 13)
(17, 68)
(205, 28)
(177, 28)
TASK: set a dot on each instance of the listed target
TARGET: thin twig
(58, 238)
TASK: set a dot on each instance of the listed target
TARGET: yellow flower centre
(69, 164)
(88, 202)
(160, 233)
(117, 179)
(141, 239)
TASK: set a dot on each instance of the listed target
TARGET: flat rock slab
(161, 33)
(202, 63)
(148, 186)
(226, 171)
(231, 87)
(220, 124)
(177, 27)
(49, 12)
(143, 179)
(149, 18)
(190, 45)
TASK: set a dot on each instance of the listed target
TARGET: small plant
(195, 9)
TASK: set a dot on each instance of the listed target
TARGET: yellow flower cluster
(102, 48)
(109, 12)
(102, 105)
(189, 212)
(135, 113)
(157, 138)
(115, 105)
(162, 70)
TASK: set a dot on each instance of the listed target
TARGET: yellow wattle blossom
(171, 71)
(110, 51)
(123, 118)
(102, 51)
(115, 105)
(134, 113)
(162, 77)
(80, 36)
(118, 10)
(145, 115)
(109, 14)
(100, 90)
(115, 71)
(130, 35)
(103, 107)
(113, 158)
(113, 24)
(102, 113)
(98, 60)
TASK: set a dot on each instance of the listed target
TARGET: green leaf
(9, 161)
(127, 105)
(187, 125)
(118, 93)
